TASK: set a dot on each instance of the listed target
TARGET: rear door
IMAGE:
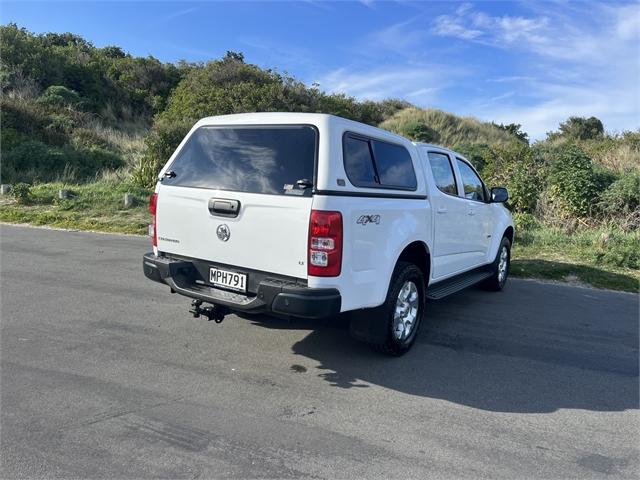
(241, 196)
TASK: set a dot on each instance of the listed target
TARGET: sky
(532, 63)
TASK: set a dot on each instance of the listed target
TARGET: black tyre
(402, 312)
(500, 267)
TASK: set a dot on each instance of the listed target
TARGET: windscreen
(257, 159)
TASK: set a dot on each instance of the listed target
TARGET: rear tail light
(325, 244)
(153, 203)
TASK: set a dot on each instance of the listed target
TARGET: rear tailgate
(241, 196)
(269, 233)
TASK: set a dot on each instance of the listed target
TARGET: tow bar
(214, 312)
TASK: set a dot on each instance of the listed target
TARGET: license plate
(227, 279)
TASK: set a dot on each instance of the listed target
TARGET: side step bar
(455, 284)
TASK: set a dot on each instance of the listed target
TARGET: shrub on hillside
(90, 161)
(479, 154)
(33, 156)
(623, 196)
(514, 166)
(88, 138)
(159, 146)
(34, 160)
(59, 96)
(419, 131)
(11, 138)
(59, 125)
(572, 181)
(32, 120)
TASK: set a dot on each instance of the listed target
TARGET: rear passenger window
(443, 173)
(378, 164)
(358, 162)
(473, 187)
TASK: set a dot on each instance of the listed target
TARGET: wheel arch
(418, 253)
(509, 233)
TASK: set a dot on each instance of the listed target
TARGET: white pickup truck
(309, 215)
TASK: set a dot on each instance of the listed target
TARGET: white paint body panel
(271, 232)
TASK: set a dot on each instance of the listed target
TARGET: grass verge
(599, 257)
(93, 206)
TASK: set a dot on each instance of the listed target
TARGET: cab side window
(473, 186)
(443, 173)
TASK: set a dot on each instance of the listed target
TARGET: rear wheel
(402, 311)
(500, 267)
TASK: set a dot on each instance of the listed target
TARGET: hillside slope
(436, 126)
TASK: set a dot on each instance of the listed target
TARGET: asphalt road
(104, 375)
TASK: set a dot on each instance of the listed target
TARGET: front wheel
(500, 267)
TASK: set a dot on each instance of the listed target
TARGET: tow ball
(213, 312)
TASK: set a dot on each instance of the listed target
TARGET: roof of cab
(284, 118)
(431, 145)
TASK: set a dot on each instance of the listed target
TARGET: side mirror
(499, 195)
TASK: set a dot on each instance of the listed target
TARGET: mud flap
(368, 325)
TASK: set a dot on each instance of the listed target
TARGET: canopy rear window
(275, 160)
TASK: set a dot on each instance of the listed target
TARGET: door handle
(441, 210)
(224, 207)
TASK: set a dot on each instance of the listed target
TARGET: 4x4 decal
(364, 219)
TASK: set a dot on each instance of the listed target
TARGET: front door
(478, 212)
(453, 248)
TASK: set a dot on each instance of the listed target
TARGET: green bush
(619, 249)
(623, 195)
(573, 181)
(89, 161)
(513, 166)
(34, 156)
(420, 132)
(10, 138)
(479, 154)
(34, 160)
(59, 126)
(159, 146)
(59, 96)
(21, 192)
(524, 221)
(30, 119)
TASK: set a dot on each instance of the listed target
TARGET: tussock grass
(449, 129)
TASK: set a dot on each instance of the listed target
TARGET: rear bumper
(266, 294)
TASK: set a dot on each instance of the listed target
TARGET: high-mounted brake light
(153, 203)
(325, 244)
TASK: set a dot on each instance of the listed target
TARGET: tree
(231, 56)
(579, 128)
(514, 129)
